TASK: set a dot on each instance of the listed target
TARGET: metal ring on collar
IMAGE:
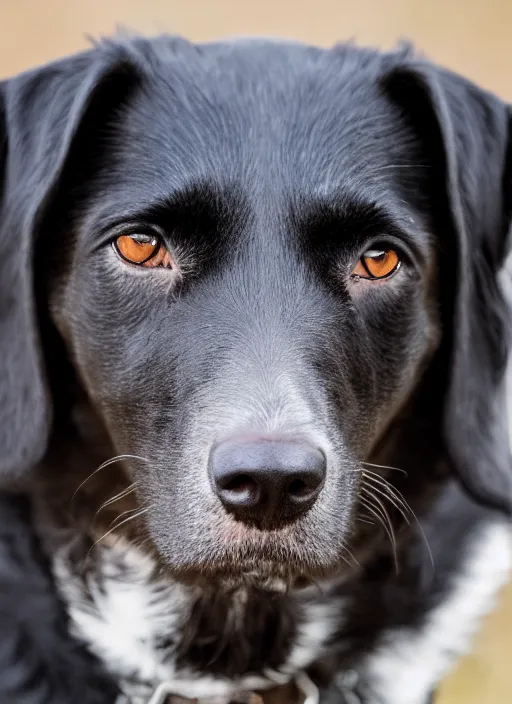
(305, 686)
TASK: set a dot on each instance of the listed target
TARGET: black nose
(267, 482)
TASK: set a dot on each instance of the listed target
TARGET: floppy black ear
(40, 114)
(469, 137)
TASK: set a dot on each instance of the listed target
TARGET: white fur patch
(127, 616)
(128, 610)
(409, 663)
(318, 626)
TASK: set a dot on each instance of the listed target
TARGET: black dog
(253, 343)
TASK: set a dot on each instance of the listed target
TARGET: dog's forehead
(249, 89)
(261, 108)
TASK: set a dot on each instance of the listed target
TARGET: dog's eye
(377, 264)
(143, 249)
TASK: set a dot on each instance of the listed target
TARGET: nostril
(304, 488)
(240, 490)
(240, 484)
(298, 489)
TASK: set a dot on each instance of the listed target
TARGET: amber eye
(377, 264)
(143, 249)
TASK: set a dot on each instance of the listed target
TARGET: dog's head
(258, 257)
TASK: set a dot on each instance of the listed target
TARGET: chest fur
(148, 629)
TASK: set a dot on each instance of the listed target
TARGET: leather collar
(300, 691)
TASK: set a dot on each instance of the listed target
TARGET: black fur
(39, 661)
(269, 169)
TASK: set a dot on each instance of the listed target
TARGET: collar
(300, 691)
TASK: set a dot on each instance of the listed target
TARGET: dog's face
(244, 270)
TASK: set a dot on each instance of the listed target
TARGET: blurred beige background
(473, 37)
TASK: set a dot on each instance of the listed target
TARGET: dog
(254, 339)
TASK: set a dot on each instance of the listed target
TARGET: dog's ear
(41, 113)
(467, 133)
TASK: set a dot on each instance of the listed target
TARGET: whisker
(379, 505)
(141, 542)
(139, 513)
(398, 496)
(375, 514)
(424, 538)
(114, 521)
(393, 492)
(381, 515)
(125, 492)
(389, 493)
(352, 557)
(380, 508)
(384, 466)
(118, 458)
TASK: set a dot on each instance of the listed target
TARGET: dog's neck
(148, 629)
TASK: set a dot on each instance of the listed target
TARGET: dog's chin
(252, 567)
(270, 581)
(268, 578)
(231, 555)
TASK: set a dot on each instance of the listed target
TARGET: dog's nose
(267, 482)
